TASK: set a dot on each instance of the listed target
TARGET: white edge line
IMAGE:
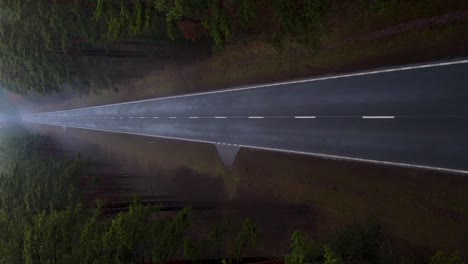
(327, 156)
(339, 76)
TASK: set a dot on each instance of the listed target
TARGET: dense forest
(51, 45)
(43, 220)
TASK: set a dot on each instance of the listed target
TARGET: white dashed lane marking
(305, 117)
(378, 117)
(233, 117)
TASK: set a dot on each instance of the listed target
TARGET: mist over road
(414, 115)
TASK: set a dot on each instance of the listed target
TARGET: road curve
(414, 115)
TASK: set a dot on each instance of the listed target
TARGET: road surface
(413, 116)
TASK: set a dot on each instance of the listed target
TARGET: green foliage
(34, 183)
(386, 255)
(174, 13)
(32, 189)
(379, 6)
(361, 241)
(125, 234)
(149, 15)
(12, 225)
(443, 258)
(171, 238)
(330, 257)
(218, 22)
(42, 221)
(120, 22)
(137, 22)
(41, 56)
(191, 252)
(136, 17)
(215, 239)
(384, 7)
(101, 7)
(299, 21)
(247, 234)
(375, 6)
(54, 47)
(91, 239)
(54, 236)
(80, 236)
(247, 12)
(45, 55)
(304, 249)
(210, 13)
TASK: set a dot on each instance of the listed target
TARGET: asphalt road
(410, 116)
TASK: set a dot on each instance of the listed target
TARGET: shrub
(219, 24)
(247, 12)
(361, 241)
(304, 249)
(443, 258)
(330, 256)
(303, 21)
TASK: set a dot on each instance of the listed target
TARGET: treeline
(50, 45)
(39, 46)
(42, 219)
(359, 243)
